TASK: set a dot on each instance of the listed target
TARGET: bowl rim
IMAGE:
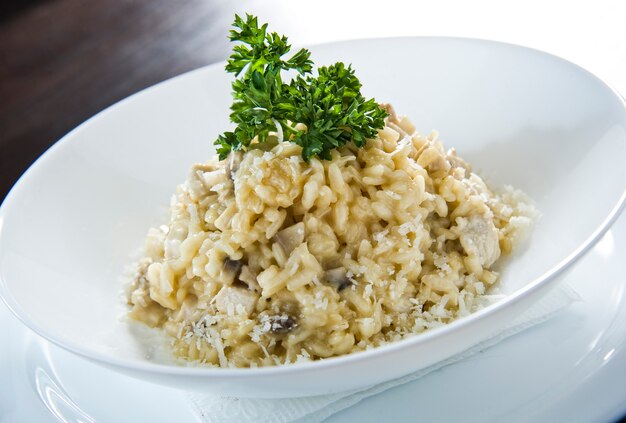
(332, 362)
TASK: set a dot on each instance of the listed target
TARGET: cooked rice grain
(267, 259)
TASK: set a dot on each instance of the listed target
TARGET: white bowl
(521, 117)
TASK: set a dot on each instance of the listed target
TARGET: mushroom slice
(281, 324)
(289, 238)
(337, 278)
(232, 269)
(249, 279)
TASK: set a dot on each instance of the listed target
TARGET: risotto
(268, 259)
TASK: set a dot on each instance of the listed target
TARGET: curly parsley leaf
(330, 105)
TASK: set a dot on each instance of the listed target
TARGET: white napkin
(218, 409)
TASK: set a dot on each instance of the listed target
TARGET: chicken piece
(479, 238)
(230, 297)
(196, 184)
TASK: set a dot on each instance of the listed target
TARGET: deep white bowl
(521, 117)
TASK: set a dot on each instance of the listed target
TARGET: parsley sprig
(330, 105)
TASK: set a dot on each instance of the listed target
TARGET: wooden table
(63, 61)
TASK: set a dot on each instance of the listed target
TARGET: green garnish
(330, 105)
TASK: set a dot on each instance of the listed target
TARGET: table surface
(63, 61)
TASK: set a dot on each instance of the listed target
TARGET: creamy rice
(268, 260)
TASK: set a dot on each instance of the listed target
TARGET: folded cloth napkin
(214, 408)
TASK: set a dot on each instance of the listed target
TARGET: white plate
(521, 116)
(571, 368)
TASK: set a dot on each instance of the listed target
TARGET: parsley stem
(279, 130)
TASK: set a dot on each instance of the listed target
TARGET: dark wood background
(63, 61)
